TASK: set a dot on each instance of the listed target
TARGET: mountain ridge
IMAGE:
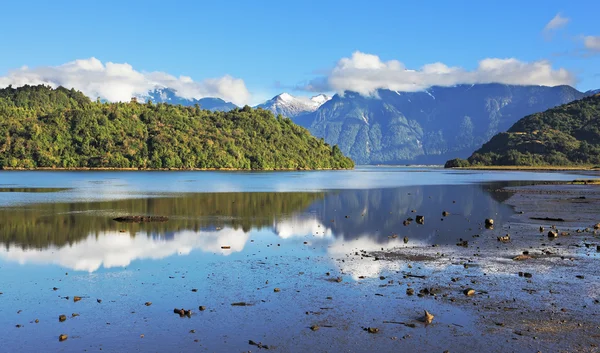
(426, 127)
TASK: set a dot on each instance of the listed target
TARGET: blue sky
(275, 46)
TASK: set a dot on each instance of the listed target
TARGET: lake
(292, 246)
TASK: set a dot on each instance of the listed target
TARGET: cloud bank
(120, 82)
(365, 73)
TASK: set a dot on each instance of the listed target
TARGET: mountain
(592, 92)
(290, 106)
(561, 136)
(41, 127)
(169, 95)
(426, 127)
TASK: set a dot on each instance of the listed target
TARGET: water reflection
(83, 236)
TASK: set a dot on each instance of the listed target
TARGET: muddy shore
(532, 293)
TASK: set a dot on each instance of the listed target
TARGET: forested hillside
(567, 135)
(41, 127)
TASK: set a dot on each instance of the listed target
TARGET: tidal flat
(300, 261)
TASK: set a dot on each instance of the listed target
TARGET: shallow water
(282, 230)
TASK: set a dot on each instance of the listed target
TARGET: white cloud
(557, 22)
(365, 73)
(120, 82)
(113, 249)
(592, 43)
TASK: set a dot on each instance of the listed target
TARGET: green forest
(42, 127)
(568, 135)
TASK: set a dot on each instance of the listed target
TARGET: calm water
(280, 230)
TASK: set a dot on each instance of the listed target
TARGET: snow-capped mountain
(168, 95)
(592, 92)
(290, 106)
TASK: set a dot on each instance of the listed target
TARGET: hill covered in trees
(568, 135)
(41, 127)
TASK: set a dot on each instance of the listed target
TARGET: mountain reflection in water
(82, 236)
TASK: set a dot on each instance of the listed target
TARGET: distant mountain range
(168, 95)
(390, 127)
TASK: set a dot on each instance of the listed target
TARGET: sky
(249, 51)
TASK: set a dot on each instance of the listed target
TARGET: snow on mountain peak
(320, 99)
(286, 97)
(290, 106)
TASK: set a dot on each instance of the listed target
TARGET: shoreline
(530, 168)
(10, 169)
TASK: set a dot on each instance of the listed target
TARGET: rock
(420, 219)
(241, 304)
(541, 229)
(552, 234)
(37, 321)
(201, 308)
(580, 276)
(62, 318)
(469, 292)
(225, 247)
(339, 279)
(141, 219)
(381, 278)
(315, 327)
(372, 329)
(192, 331)
(148, 303)
(276, 290)
(99, 301)
(76, 299)
(54, 288)
(564, 234)
(194, 290)
(406, 222)
(464, 243)
(62, 337)
(410, 291)
(445, 214)
(504, 239)
(527, 275)
(521, 257)
(74, 315)
(405, 240)
(428, 317)
(597, 226)
(489, 222)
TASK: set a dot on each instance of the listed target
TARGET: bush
(457, 163)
